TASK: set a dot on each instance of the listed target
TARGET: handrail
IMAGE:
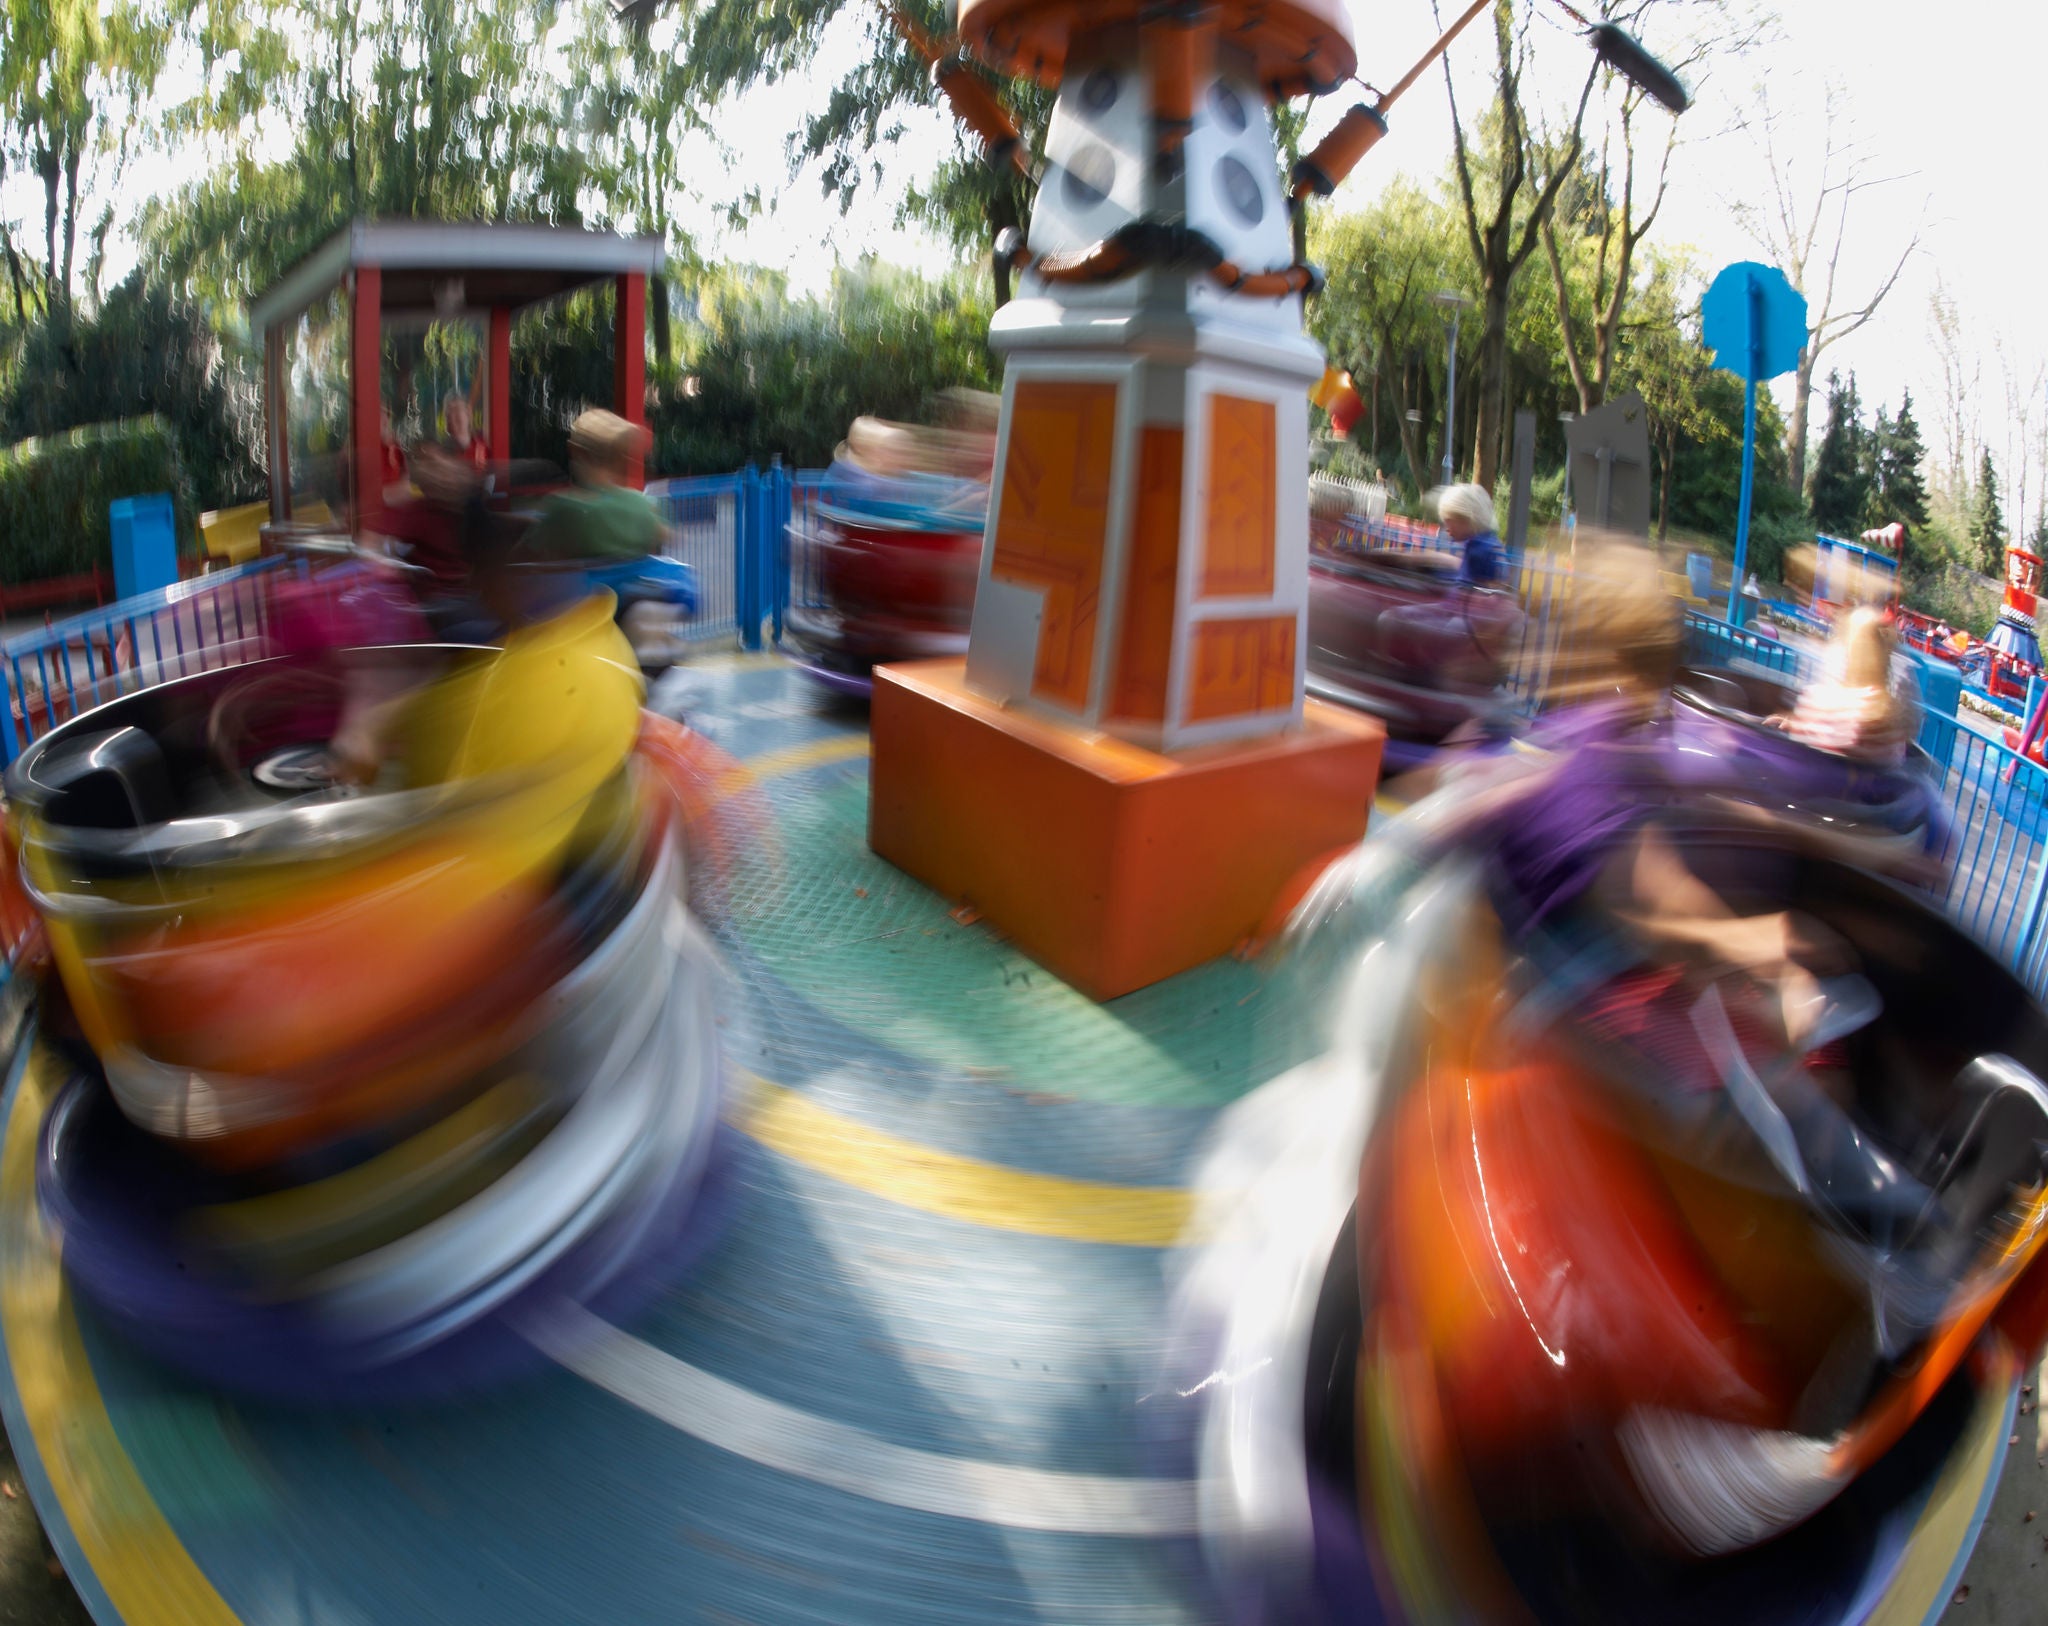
(140, 604)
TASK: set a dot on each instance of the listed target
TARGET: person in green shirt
(606, 516)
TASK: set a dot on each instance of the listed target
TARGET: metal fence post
(10, 697)
(775, 549)
(746, 556)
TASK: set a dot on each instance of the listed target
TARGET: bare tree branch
(1806, 232)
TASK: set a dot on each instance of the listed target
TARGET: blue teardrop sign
(1754, 321)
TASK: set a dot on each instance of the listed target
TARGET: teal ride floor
(555, 1502)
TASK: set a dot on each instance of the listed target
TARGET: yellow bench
(233, 535)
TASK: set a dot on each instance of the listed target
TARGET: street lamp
(1455, 303)
(1371, 369)
(1565, 503)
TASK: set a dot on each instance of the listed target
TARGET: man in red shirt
(450, 533)
(392, 453)
(461, 429)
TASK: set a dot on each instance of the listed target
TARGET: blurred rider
(460, 424)
(451, 535)
(1468, 519)
(605, 517)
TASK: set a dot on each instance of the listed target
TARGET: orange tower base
(1114, 866)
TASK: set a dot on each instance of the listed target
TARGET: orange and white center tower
(1145, 567)
(1122, 776)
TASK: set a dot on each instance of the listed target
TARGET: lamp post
(1455, 303)
(1565, 503)
(1372, 384)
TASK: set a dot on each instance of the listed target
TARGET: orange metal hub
(1300, 47)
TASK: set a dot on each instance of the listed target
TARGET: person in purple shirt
(1467, 515)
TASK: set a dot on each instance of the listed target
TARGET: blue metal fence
(1715, 643)
(734, 529)
(707, 519)
(1995, 803)
(55, 672)
(729, 528)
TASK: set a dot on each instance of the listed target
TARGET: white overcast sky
(1947, 98)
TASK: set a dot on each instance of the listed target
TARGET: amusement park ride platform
(909, 1382)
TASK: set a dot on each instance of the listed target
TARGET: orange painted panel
(1145, 644)
(1241, 666)
(1112, 865)
(1054, 520)
(1238, 542)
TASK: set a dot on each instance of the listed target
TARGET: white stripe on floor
(850, 1459)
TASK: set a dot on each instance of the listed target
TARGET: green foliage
(1946, 588)
(72, 76)
(1706, 478)
(143, 354)
(1843, 472)
(494, 128)
(1987, 521)
(769, 376)
(55, 491)
(733, 45)
(1375, 319)
(561, 363)
(1899, 492)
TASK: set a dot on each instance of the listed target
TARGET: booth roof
(500, 265)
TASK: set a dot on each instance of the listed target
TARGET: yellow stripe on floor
(134, 1554)
(958, 1188)
(794, 759)
(833, 748)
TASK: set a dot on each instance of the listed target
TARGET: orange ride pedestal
(1113, 865)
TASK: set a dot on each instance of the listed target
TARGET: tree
(780, 377)
(1873, 470)
(143, 353)
(1595, 231)
(1661, 357)
(1374, 316)
(1955, 409)
(1987, 521)
(2022, 394)
(1706, 476)
(412, 108)
(1899, 492)
(1803, 230)
(733, 45)
(1606, 232)
(74, 75)
(1502, 225)
(1842, 472)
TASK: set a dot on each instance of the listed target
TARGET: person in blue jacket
(1466, 513)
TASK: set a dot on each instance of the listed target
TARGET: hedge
(55, 491)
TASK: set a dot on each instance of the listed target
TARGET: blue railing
(734, 529)
(708, 522)
(1711, 642)
(731, 528)
(1994, 802)
(745, 535)
(58, 671)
